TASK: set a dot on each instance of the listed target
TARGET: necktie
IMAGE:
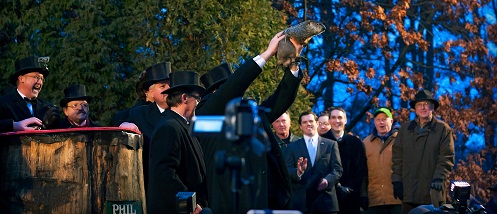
(29, 103)
(312, 151)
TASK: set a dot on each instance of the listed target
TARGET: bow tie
(30, 100)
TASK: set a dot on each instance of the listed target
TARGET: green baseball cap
(384, 111)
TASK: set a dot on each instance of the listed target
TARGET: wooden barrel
(81, 170)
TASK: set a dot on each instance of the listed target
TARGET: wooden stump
(70, 171)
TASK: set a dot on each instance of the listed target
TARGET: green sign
(123, 207)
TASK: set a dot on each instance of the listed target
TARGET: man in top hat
(76, 108)
(271, 175)
(422, 155)
(141, 99)
(146, 117)
(21, 110)
(176, 158)
(378, 183)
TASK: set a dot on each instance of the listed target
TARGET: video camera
(462, 201)
(242, 137)
(240, 121)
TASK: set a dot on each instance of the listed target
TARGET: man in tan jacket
(378, 188)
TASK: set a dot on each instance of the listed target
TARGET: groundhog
(301, 34)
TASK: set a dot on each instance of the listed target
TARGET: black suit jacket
(219, 184)
(64, 123)
(176, 165)
(146, 118)
(123, 115)
(353, 155)
(14, 108)
(327, 165)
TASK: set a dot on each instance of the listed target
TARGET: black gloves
(398, 190)
(364, 203)
(52, 117)
(437, 184)
(343, 191)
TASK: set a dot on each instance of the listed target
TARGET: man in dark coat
(141, 99)
(276, 192)
(176, 158)
(422, 156)
(282, 131)
(353, 156)
(20, 109)
(146, 117)
(76, 108)
(313, 186)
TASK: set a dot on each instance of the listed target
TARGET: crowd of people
(327, 170)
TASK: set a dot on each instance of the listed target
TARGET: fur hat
(155, 74)
(30, 64)
(74, 92)
(183, 81)
(424, 95)
(215, 77)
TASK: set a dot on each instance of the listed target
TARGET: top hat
(156, 73)
(30, 64)
(74, 92)
(215, 77)
(424, 95)
(184, 81)
(385, 111)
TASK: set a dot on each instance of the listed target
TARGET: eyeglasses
(424, 104)
(195, 96)
(76, 105)
(37, 77)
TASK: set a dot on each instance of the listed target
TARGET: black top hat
(156, 73)
(215, 77)
(184, 81)
(74, 92)
(424, 95)
(30, 64)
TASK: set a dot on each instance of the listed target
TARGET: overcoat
(379, 187)
(146, 118)
(354, 166)
(419, 156)
(14, 108)
(278, 196)
(176, 165)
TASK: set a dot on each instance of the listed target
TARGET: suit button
(263, 172)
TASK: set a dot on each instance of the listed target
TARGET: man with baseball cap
(378, 145)
(21, 110)
(422, 156)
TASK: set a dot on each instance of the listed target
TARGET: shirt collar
(161, 110)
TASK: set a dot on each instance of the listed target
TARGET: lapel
(320, 149)
(303, 152)
(21, 104)
(193, 140)
(154, 115)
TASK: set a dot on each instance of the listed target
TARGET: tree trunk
(71, 172)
